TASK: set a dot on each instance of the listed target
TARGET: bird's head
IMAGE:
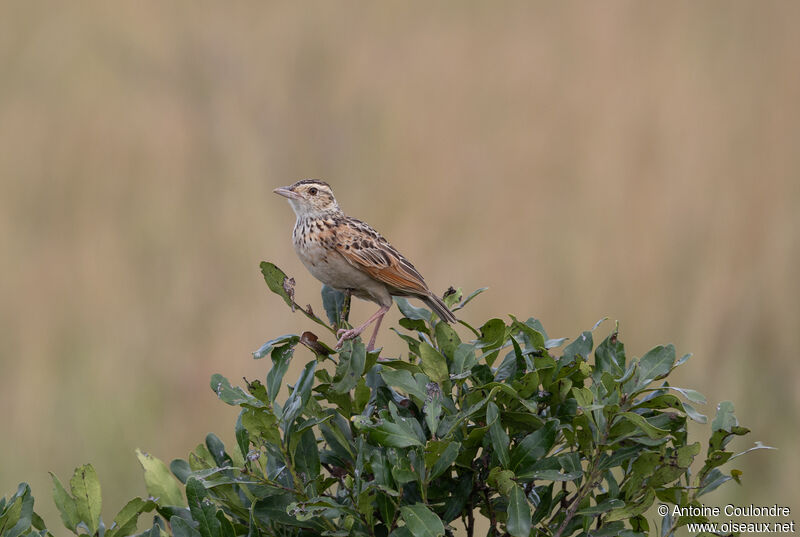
(309, 197)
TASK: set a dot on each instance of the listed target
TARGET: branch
(575, 501)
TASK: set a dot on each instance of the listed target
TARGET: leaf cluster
(540, 436)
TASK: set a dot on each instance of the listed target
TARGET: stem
(492, 518)
(470, 521)
(346, 305)
(573, 508)
(311, 316)
(297, 484)
(590, 483)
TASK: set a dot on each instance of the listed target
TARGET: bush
(538, 442)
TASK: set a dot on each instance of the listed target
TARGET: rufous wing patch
(364, 248)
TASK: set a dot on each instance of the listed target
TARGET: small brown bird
(349, 255)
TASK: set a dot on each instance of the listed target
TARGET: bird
(350, 256)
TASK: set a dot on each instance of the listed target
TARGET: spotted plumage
(348, 254)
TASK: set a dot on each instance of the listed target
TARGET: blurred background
(632, 160)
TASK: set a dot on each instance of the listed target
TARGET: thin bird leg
(353, 332)
(374, 334)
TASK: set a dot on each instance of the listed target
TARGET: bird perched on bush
(349, 255)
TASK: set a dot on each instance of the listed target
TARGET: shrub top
(541, 436)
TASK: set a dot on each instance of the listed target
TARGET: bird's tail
(438, 306)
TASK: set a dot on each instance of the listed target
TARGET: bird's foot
(345, 334)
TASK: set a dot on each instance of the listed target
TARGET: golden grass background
(632, 160)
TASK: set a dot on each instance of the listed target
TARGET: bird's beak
(286, 192)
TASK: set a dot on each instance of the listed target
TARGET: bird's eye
(312, 191)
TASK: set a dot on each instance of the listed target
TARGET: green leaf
(601, 507)
(281, 356)
(11, 514)
(233, 396)
(519, 514)
(536, 324)
(433, 407)
(447, 339)
(433, 363)
(694, 414)
(226, 527)
(712, 481)
(272, 511)
(242, 438)
(126, 520)
(725, 420)
(217, 449)
(17, 517)
(411, 384)
(610, 356)
(618, 457)
(421, 521)
(497, 434)
(633, 509)
(388, 433)
(660, 402)
(692, 395)
(415, 325)
(299, 397)
(493, 333)
(555, 343)
(181, 528)
(85, 488)
(160, 484)
(650, 430)
(442, 459)
(400, 531)
(656, 363)
(203, 512)
(582, 347)
(584, 397)
(552, 475)
(156, 530)
(306, 455)
(283, 286)
(352, 359)
(333, 302)
(411, 312)
(337, 433)
(260, 423)
(288, 339)
(463, 358)
(65, 504)
(276, 279)
(386, 508)
(314, 508)
(452, 297)
(468, 298)
(180, 469)
(502, 480)
(532, 448)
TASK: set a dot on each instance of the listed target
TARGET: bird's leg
(374, 334)
(353, 332)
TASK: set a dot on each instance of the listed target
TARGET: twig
(492, 517)
(344, 315)
(575, 501)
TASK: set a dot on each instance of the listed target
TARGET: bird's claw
(344, 334)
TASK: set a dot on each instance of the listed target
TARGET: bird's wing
(366, 249)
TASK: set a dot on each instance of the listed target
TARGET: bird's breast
(317, 250)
